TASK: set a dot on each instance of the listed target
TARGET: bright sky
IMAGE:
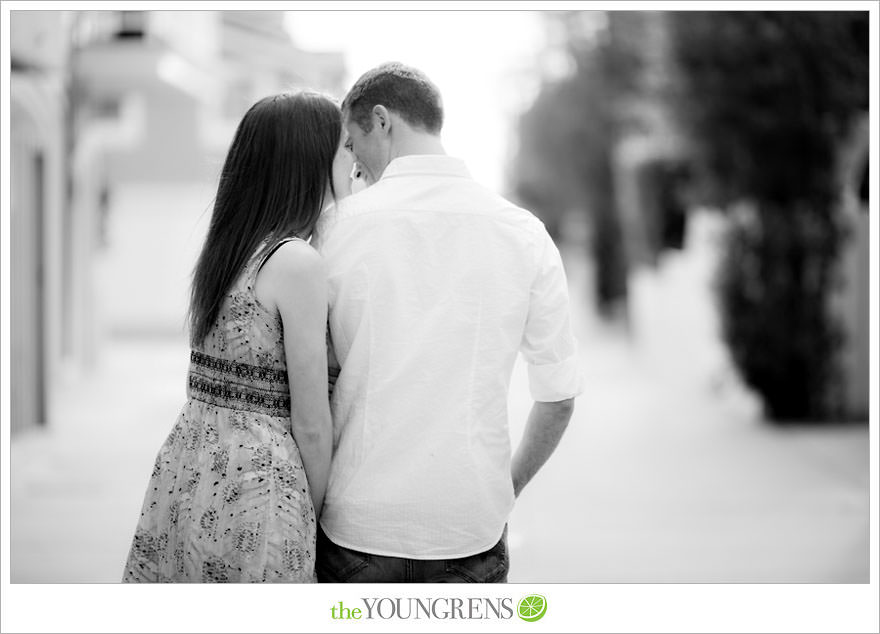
(483, 62)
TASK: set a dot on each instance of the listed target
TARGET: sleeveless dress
(228, 499)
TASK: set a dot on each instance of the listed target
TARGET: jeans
(337, 564)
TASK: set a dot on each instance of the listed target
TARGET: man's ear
(382, 118)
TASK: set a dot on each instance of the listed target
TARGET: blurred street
(666, 474)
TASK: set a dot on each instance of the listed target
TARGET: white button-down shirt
(435, 285)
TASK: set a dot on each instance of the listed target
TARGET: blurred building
(101, 101)
(40, 276)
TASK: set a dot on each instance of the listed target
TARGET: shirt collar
(424, 165)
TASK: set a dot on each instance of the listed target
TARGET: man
(435, 285)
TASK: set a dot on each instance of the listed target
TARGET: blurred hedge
(767, 98)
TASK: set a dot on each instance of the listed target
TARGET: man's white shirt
(435, 285)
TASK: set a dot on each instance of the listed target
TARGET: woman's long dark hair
(272, 186)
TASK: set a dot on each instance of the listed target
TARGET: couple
(431, 285)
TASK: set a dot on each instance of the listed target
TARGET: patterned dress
(228, 498)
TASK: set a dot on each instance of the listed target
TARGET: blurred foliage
(567, 138)
(767, 98)
(762, 103)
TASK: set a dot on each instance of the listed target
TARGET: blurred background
(704, 174)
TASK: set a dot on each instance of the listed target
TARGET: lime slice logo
(532, 607)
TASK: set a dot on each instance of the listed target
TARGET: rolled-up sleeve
(548, 345)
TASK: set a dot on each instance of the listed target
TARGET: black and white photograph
(533, 297)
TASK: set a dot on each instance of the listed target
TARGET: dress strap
(258, 265)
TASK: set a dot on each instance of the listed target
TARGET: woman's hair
(272, 186)
(403, 89)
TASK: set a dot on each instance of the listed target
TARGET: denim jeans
(337, 564)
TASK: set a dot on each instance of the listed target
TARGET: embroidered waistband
(238, 385)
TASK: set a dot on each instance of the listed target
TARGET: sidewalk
(77, 488)
(666, 474)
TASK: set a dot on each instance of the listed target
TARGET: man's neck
(417, 143)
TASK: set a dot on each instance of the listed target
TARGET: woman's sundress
(228, 498)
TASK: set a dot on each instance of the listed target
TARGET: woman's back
(238, 483)
(228, 497)
(243, 351)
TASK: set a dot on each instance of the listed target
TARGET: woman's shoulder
(291, 262)
(293, 272)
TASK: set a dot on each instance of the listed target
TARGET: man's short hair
(401, 89)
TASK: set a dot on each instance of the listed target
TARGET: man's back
(435, 285)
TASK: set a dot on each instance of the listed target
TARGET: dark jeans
(336, 564)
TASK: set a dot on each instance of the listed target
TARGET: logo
(532, 608)
(429, 608)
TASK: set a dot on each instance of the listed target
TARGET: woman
(238, 484)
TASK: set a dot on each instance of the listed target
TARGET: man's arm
(546, 424)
